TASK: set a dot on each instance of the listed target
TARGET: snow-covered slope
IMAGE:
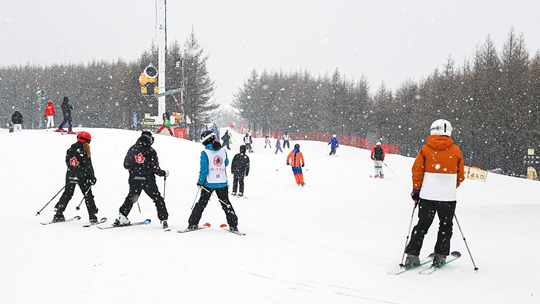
(334, 241)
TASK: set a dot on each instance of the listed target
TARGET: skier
(79, 172)
(377, 155)
(50, 111)
(17, 120)
(334, 145)
(66, 111)
(531, 173)
(142, 162)
(213, 177)
(296, 160)
(240, 168)
(267, 142)
(286, 140)
(166, 123)
(436, 174)
(226, 140)
(248, 141)
(278, 146)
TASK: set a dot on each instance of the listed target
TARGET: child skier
(334, 145)
(278, 146)
(377, 155)
(240, 168)
(296, 160)
(436, 174)
(267, 142)
(49, 113)
(166, 123)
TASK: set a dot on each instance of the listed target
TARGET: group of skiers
(49, 112)
(436, 173)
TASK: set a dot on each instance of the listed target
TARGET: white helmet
(441, 127)
(378, 143)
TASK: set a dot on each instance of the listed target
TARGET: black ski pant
(286, 144)
(238, 180)
(223, 195)
(226, 144)
(426, 213)
(60, 207)
(151, 189)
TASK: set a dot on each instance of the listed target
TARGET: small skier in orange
(296, 160)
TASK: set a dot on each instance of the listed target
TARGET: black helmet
(207, 137)
(147, 138)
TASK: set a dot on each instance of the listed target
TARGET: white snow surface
(333, 241)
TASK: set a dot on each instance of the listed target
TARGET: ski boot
(438, 260)
(121, 221)
(411, 261)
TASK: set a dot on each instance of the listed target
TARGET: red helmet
(84, 137)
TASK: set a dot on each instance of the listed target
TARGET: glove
(415, 195)
(164, 173)
(92, 181)
(287, 164)
(303, 165)
(372, 158)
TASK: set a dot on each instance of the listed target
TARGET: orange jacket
(295, 161)
(438, 169)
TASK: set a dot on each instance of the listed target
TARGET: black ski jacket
(142, 162)
(240, 164)
(17, 118)
(79, 165)
(66, 108)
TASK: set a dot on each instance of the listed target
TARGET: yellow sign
(530, 151)
(475, 173)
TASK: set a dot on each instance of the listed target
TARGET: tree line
(107, 94)
(492, 101)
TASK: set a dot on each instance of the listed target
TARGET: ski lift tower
(162, 50)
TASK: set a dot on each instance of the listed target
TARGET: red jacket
(49, 109)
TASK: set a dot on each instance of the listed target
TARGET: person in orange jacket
(377, 155)
(296, 160)
(437, 172)
(49, 113)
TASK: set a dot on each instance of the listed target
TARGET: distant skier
(531, 173)
(142, 163)
(226, 140)
(267, 142)
(66, 111)
(79, 172)
(248, 141)
(377, 155)
(436, 173)
(278, 146)
(240, 169)
(213, 177)
(296, 160)
(50, 111)
(17, 120)
(334, 145)
(166, 123)
(286, 139)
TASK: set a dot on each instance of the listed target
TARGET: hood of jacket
(439, 142)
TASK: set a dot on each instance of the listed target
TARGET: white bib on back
(216, 164)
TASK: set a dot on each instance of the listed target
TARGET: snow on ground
(334, 241)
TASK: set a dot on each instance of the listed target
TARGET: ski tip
(147, 221)
(223, 226)
(456, 254)
(207, 224)
(77, 217)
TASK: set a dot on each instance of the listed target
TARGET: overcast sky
(386, 41)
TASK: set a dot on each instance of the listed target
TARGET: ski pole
(388, 167)
(195, 199)
(464, 240)
(84, 196)
(281, 167)
(408, 235)
(220, 201)
(50, 200)
(138, 206)
(164, 186)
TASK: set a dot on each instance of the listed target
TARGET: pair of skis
(427, 271)
(207, 225)
(76, 218)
